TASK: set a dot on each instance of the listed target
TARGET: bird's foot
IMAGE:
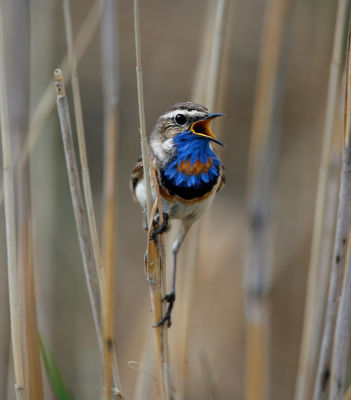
(158, 230)
(170, 298)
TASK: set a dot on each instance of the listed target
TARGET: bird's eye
(180, 119)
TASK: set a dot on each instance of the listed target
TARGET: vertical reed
(312, 319)
(88, 197)
(205, 91)
(343, 226)
(46, 104)
(18, 78)
(343, 318)
(109, 57)
(262, 157)
(80, 213)
(13, 278)
(154, 252)
(342, 335)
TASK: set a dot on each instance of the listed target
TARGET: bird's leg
(170, 297)
(157, 230)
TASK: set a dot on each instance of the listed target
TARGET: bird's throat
(194, 170)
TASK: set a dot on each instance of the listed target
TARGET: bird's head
(182, 117)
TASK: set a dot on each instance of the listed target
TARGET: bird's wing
(221, 178)
(136, 175)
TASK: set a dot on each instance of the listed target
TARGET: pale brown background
(171, 38)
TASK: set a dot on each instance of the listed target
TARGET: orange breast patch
(197, 168)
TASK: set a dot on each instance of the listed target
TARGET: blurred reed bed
(176, 377)
(324, 217)
(264, 143)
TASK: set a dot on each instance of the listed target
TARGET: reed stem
(154, 253)
(312, 322)
(12, 270)
(80, 213)
(343, 226)
(205, 91)
(343, 318)
(109, 56)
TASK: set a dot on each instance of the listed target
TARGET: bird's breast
(189, 180)
(197, 168)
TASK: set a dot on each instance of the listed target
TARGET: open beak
(203, 128)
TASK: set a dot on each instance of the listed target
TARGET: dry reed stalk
(13, 278)
(108, 351)
(77, 101)
(18, 79)
(343, 318)
(34, 378)
(216, 54)
(342, 335)
(154, 253)
(80, 213)
(109, 57)
(34, 383)
(343, 226)
(46, 104)
(205, 91)
(312, 319)
(263, 153)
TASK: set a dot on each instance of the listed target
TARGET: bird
(189, 173)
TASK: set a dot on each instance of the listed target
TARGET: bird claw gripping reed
(188, 174)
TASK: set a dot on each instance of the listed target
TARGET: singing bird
(189, 173)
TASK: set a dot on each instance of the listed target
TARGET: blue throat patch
(192, 148)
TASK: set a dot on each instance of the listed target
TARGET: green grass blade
(57, 383)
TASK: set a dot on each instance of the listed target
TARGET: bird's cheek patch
(197, 168)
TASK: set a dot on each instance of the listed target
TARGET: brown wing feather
(136, 175)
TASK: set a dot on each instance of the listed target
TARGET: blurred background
(172, 35)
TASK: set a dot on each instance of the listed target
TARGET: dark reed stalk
(154, 253)
(80, 213)
(342, 335)
(109, 58)
(262, 157)
(11, 243)
(343, 226)
(312, 317)
(343, 319)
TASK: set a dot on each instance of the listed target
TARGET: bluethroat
(188, 170)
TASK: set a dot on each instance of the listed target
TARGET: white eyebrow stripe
(192, 113)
